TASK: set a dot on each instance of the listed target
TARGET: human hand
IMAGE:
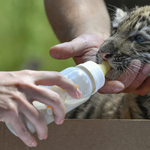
(17, 92)
(82, 48)
(85, 47)
(135, 79)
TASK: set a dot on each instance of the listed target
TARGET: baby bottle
(89, 77)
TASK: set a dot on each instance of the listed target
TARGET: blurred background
(26, 37)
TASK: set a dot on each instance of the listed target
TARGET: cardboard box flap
(86, 135)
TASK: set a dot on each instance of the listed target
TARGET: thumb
(76, 47)
(68, 49)
(112, 87)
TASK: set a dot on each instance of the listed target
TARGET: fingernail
(146, 69)
(34, 144)
(45, 137)
(41, 138)
(78, 93)
(116, 90)
(61, 122)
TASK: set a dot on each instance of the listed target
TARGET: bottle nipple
(105, 67)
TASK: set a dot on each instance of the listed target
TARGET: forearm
(70, 19)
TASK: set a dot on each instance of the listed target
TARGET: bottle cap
(97, 72)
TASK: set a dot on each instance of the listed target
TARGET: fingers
(76, 47)
(68, 49)
(15, 105)
(132, 80)
(143, 73)
(21, 89)
(52, 99)
(10, 114)
(125, 80)
(130, 74)
(37, 119)
(56, 78)
(111, 87)
(46, 96)
(22, 132)
(135, 81)
(144, 88)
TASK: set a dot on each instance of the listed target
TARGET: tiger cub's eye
(139, 38)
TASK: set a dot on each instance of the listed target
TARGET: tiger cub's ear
(120, 14)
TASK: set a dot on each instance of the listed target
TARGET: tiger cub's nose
(106, 56)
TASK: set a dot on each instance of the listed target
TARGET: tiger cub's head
(130, 40)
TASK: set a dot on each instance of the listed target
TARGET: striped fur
(130, 40)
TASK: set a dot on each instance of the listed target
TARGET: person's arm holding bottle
(83, 26)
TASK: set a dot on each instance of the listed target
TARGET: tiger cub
(130, 40)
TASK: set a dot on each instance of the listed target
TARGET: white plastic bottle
(89, 78)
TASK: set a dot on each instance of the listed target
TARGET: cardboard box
(86, 135)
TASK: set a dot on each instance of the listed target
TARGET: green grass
(25, 35)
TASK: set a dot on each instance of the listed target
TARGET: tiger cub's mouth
(118, 66)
